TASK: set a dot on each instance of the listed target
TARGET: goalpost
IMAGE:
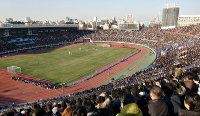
(14, 69)
(87, 40)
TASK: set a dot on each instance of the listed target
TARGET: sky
(142, 10)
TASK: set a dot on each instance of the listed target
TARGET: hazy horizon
(142, 10)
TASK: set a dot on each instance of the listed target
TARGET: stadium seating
(179, 95)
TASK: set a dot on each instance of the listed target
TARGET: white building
(129, 26)
(186, 20)
(67, 19)
(27, 19)
(95, 19)
(114, 26)
(114, 18)
(121, 21)
(94, 23)
(106, 26)
(129, 18)
(8, 20)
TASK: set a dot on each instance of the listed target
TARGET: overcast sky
(142, 10)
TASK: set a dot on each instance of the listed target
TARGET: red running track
(19, 92)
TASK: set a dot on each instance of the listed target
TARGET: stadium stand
(168, 87)
(40, 38)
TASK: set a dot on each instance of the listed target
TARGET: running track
(19, 92)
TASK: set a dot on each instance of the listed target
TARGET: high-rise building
(95, 19)
(129, 18)
(94, 24)
(170, 16)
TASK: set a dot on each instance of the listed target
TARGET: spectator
(56, 112)
(90, 108)
(115, 103)
(101, 107)
(130, 108)
(68, 110)
(157, 106)
(192, 105)
(49, 110)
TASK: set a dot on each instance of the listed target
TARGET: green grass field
(60, 66)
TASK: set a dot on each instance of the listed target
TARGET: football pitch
(66, 64)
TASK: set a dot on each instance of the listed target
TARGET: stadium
(47, 65)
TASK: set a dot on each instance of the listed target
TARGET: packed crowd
(165, 95)
(149, 36)
(24, 43)
(41, 83)
(168, 87)
(188, 30)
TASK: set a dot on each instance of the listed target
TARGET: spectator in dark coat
(90, 108)
(101, 107)
(192, 104)
(49, 110)
(157, 106)
(172, 100)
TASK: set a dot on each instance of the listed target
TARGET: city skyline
(145, 10)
